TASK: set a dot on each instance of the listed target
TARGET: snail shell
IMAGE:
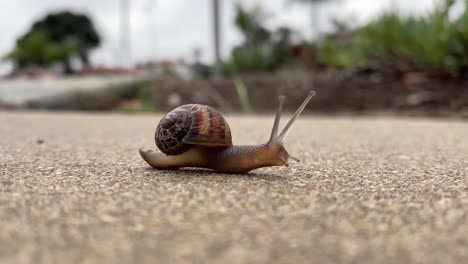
(189, 125)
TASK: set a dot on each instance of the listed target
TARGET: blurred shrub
(253, 53)
(245, 58)
(458, 40)
(393, 42)
(262, 49)
(337, 56)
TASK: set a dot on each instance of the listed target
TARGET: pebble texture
(73, 189)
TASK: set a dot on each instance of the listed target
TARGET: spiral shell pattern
(189, 125)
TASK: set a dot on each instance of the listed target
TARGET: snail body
(198, 136)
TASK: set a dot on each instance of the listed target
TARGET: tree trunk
(84, 60)
(67, 68)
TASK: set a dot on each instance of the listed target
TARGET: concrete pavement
(73, 189)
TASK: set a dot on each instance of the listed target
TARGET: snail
(196, 135)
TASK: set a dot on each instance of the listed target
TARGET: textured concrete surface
(73, 189)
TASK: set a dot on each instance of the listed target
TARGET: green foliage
(458, 39)
(262, 49)
(248, 58)
(336, 56)
(405, 43)
(253, 53)
(70, 29)
(36, 48)
(146, 101)
(143, 100)
(242, 93)
(56, 38)
(250, 23)
(282, 39)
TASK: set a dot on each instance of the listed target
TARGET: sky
(173, 29)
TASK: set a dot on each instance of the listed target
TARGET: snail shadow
(199, 173)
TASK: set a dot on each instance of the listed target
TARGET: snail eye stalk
(286, 129)
(274, 132)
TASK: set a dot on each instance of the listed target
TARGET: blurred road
(368, 190)
(21, 92)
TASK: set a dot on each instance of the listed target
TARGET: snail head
(276, 142)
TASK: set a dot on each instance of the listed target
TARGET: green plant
(336, 56)
(262, 49)
(142, 101)
(243, 94)
(37, 48)
(253, 53)
(458, 40)
(399, 43)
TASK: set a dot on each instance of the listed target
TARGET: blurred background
(361, 56)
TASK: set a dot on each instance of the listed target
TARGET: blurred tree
(261, 49)
(57, 38)
(314, 14)
(251, 24)
(254, 52)
(36, 48)
(282, 39)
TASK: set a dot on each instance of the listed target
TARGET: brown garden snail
(198, 136)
